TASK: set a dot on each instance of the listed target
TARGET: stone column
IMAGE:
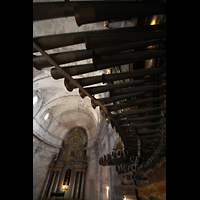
(59, 173)
(51, 184)
(82, 183)
(73, 185)
(45, 186)
(78, 183)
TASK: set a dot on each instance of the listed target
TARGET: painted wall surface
(67, 192)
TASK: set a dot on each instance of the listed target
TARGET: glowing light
(153, 21)
(108, 71)
(64, 188)
(35, 99)
(46, 116)
(107, 191)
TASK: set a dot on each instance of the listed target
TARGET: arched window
(67, 177)
(37, 101)
(47, 114)
(37, 95)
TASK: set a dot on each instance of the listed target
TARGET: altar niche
(66, 174)
(73, 157)
(67, 177)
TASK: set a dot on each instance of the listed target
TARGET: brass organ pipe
(96, 41)
(141, 125)
(145, 89)
(59, 40)
(136, 112)
(145, 118)
(118, 92)
(65, 39)
(150, 142)
(73, 70)
(127, 57)
(80, 69)
(109, 87)
(90, 14)
(143, 131)
(39, 62)
(115, 161)
(156, 136)
(145, 125)
(107, 100)
(123, 104)
(134, 102)
(113, 77)
(49, 10)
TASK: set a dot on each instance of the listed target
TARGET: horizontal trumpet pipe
(118, 76)
(107, 100)
(91, 14)
(127, 57)
(142, 131)
(49, 10)
(146, 118)
(78, 69)
(118, 92)
(136, 112)
(39, 62)
(66, 39)
(134, 90)
(59, 40)
(134, 102)
(73, 70)
(96, 41)
(117, 98)
(142, 125)
(109, 87)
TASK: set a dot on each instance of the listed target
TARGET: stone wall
(43, 154)
(99, 177)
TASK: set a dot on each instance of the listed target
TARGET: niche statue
(67, 177)
(72, 153)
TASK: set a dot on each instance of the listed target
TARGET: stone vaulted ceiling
(68, 109)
